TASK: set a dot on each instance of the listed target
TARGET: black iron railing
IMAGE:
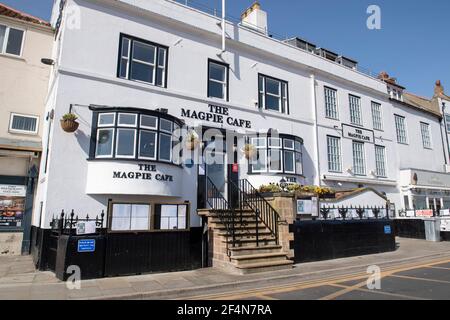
(264, 212)
(353, 213)
(68, 224)
(226, 213)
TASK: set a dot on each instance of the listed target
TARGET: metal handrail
(221, 207)
(264, 212)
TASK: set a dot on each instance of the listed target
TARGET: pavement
(334, 279)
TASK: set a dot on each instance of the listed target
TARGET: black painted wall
(326, 240)
(410, 228)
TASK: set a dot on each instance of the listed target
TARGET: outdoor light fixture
(49, 62)
(283, 184)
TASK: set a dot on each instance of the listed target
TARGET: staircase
(244, 235)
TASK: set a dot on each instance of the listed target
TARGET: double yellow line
(265, 291)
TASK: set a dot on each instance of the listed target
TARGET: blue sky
(413, 44)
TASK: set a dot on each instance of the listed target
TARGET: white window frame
(97, 156)
(147, 127)
(377, 114)
(223, 83)
(127, 57)
(283, 99)
(447, 119)
(5, 41)
(119, 156)
(362, 159)
(289, 149)
(171, 147)
(332, 113)
(106, 125)
(131, 60)
(134, 125)
(337, 156)
(130, 205)
(378, 161)
(398, 130)
(427, 132)
(280, 150)
(156, 146)
(12, 130)
(355, 114)
(164, 130)
(258, 148)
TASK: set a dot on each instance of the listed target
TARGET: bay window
(273, 94)
(277, 155)
(134, 135)
(142, 61)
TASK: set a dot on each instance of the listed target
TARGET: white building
(135, 71)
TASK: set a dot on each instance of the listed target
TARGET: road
(425, 280)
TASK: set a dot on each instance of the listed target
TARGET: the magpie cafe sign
(216, 114)
(144, 172)
(358, 134)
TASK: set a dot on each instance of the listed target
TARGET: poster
(12, 210)
(304, 206)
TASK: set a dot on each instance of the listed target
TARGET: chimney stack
(255, 18)
(438, 89)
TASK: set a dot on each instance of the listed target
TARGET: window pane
(273, 87)
(123, 68)
(259, 142)
(149, 122)
(2, 37)
(106, 119)
(24, 123)
(169, 217)
(216, 90)
(217, 72)
(275, 160)
(288, 144)
(380, 161)
(298, 163)
(160, 76)
(259, 161)
(359, 166)
(14, 45)
(334, 154)
(121, 215)
(355, 110)
(162, 57)
(104, 142)
(125, 47)
(165, 147)
(126, 119)
(275, 142)
(140, 217)
(147, 145)
(331, 103)
(166, 125)
(289, 162)
(144, 52)
(272, 103)
(126, 140)
(142, 72)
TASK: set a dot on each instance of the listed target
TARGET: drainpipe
(446, 150)
(223, 26)
(317, 180)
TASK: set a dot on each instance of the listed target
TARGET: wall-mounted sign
(145, 172)
(86, 245)
(216, 114)
(358, 134)
(387, 230)
(13, 190)
(86, 227)
(424, 213)
(12, 205)
(304, 207)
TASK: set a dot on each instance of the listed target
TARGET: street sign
(387, 230)
(86, 245)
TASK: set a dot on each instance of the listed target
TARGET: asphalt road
(427, 280)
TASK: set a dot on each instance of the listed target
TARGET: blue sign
(86, 245)
(387, 230)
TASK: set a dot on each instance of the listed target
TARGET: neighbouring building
(24, 41)
(177, 107)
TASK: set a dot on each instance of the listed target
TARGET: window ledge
(134, 160)
(11, 56)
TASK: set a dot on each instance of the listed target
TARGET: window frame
(377, 173)
(398, 131)
(336, 106)
(447, 120)
(359, 111)
(363, 158)
(262, 103)
(150, 217)
(339, 155)
(178, 205)
(18, 131)
(93, 153)
(372, 104)
(4, 45)
(157, 46)
(227, 79)
(428, 132)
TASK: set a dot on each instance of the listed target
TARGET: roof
(16, 14)
(345, 194)
(421, 103)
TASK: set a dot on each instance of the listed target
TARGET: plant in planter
(249, 151)
(69, 123)
(270, 188)
(192, 140)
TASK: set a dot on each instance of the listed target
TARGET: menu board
(12, 206)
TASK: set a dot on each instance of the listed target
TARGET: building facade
(168, 103)
(24, 41)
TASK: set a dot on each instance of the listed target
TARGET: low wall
(326, 240)
(410, 228)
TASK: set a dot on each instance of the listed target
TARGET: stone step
(243, 234)
(245, 219)
(281, 264)
(258, 258)
(246, 242)
(249, 250)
